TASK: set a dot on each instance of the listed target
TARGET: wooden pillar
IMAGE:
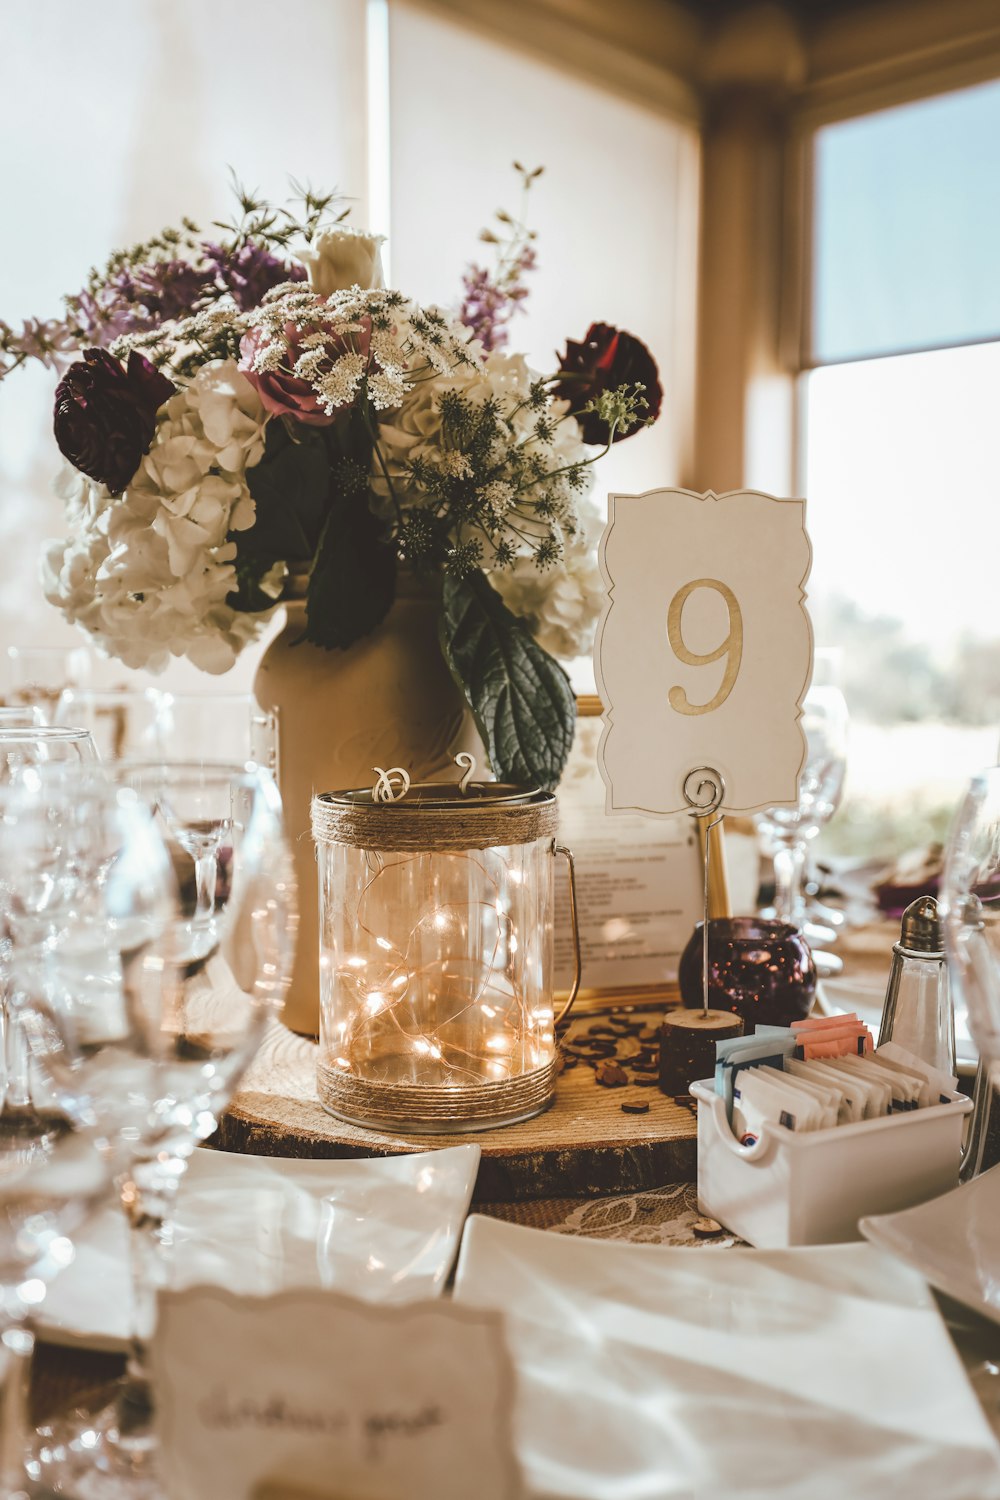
(745, 393)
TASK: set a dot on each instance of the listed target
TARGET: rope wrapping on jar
(435, 818)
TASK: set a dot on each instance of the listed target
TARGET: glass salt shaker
(918, 1012)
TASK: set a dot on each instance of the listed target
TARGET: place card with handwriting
(311, 1395)
(704, 652)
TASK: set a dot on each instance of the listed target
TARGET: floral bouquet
(256, 416)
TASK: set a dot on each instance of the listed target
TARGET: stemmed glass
(124, 724)
(23, 746)
(217, 728)
(20, 716)
(39, 673)
(86, 891)
(969, 903)
(788, 831)
(232, 939)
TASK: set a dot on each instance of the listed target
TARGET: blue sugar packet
(769, 1044)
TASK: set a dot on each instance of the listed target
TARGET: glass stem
(148, 1195)
(205, 876)
(16, 1062)
(789, 868)
(17, 1343)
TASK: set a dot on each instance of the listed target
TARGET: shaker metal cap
(921, 930)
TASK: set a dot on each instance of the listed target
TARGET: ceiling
(805, 9)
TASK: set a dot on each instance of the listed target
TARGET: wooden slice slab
(584, 1146)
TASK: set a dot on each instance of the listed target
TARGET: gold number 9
(731, 647)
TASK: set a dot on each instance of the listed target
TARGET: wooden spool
(687, 1045)
(583, 1146)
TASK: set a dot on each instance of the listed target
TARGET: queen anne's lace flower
(493, 427)
(148, 573)
(560, 603)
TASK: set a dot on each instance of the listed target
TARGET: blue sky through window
(907, 225)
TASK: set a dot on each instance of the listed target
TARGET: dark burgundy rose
(105, 416)
(606, 359)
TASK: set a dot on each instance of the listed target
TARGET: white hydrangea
(560, 603)
(147, 573)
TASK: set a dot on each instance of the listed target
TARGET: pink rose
(285, 394)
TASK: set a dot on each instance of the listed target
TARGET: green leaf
(248, 597)
(353, 581)
(521, 698)
(291, 487)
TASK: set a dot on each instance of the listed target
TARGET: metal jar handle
(577, 957)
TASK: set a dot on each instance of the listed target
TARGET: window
(903, 454)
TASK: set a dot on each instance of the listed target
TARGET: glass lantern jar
(436, 925)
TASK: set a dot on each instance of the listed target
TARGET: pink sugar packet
(832, 1036)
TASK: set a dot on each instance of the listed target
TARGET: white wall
(122, 116)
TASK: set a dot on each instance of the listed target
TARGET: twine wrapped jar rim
(436, 817)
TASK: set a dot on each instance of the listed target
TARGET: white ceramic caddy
(650, 1373)
(812, 1187)
(385, 1228)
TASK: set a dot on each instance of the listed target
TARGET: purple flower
(138, 298)
(105, 416)
(489, 303)
(250, 272)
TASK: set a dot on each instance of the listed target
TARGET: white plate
(647, 1373)
(866, 996)
(953, 1240)
(385, 1229)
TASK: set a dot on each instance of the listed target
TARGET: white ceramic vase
(389, 700)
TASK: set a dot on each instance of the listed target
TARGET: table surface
(663, 1214)
(585, 1145)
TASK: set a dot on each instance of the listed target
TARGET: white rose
(341, 258)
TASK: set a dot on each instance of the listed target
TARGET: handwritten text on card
(312, 1393)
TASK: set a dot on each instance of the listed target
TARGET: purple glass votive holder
(761, 971)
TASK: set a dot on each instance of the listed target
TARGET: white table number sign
(314, 1396)
(704, 650)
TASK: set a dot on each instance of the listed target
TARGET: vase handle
(574, 918)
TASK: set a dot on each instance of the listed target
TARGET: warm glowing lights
(430, 968)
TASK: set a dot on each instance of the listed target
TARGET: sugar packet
(839, 1091)
(769, 1044)
(759, 1100)
(826, 1099)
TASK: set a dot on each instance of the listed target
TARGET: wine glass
(232, 938)
(969, 904)
(788, 831)
(20, 716)
(86, 893)
(38, 674)
(21, 747)
(123, 723)
(217, 728)
(49, 1187)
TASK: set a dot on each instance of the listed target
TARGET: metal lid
(921, 929)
